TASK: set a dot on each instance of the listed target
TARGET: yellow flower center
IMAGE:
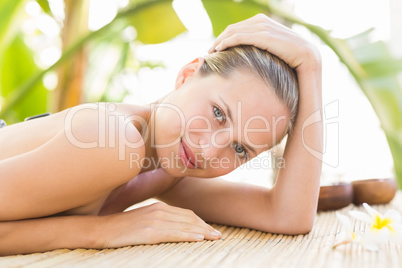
(380, 223)
(353, 236)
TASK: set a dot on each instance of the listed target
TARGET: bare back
(23, 137)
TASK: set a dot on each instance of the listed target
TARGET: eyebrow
(229, 115)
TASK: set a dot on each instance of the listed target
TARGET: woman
(66, 184)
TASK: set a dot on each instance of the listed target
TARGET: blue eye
(220, 116)
(239, 149)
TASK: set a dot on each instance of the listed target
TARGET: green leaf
(18, 65)
(371, 52)
(44, 4)
(386, 98)
(360, 39)
(225, 12)
(156, 23)
(382, 88)
(385, 67)
(380, 83)
(10, 14)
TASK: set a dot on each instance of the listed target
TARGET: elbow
(295, 225)
(301, 228)
(296, 220)
(301, 224)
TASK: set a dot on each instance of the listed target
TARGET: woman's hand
(267, 34)
(154, 224)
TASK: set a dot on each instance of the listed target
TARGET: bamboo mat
(239, 247)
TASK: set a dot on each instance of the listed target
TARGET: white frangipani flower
(347, 225)
(350, 235)
(382, 228)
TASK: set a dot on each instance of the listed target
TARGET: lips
(186, 156)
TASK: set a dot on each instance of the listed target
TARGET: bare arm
(59, 176)
(152, 224)
(290, 206)
(38, 235)
(295, 195)
(144, 186)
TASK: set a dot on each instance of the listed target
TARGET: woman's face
(211, 125)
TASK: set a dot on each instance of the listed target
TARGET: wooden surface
(239, 247)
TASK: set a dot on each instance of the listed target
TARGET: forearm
(151, 224)
(295, 194)
(39, 235)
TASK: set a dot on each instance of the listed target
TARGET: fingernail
(216, 233)
(218, 47)
(211, 50)
(199, 237)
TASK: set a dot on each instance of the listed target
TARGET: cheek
(168, 126)
(198, 122)
(198, 129)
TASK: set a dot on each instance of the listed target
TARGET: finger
(192, 219)
(257, 24)
(187, 221)
(260, 35)
(173, 231)
(254, 39)
(284, 46)
(242, 26)
(189, 228)
(176, 214)
(206, 232)
(233, 30)
(179, 235)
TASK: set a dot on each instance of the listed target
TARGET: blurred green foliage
(17, 64)
(22, 92)
(163, 26)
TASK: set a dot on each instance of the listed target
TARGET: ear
(187, 71)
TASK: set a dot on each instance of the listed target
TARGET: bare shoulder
(82, 163)
(104, 125)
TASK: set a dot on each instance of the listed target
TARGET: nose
(207, 139)
(203, 141)
(213, 144)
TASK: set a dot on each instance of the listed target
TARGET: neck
(151, 157)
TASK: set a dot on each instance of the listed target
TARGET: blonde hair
(272, 70)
